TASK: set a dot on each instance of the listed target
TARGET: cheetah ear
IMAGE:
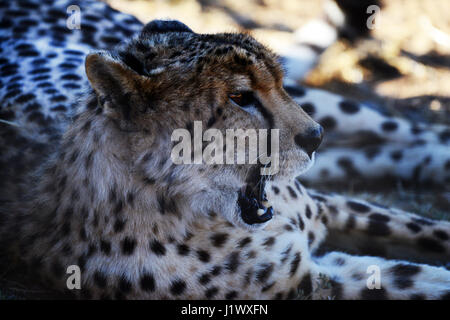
(118, 87)
(164, 26)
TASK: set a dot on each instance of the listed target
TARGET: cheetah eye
(243, 99)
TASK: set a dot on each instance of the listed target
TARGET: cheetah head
(169, 79)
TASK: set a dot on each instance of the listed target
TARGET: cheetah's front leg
(360, 227)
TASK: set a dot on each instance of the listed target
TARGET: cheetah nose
(310, 140)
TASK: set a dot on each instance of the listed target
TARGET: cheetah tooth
(266, 204)
(260, 212)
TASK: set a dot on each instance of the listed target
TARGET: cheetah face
(170, 78)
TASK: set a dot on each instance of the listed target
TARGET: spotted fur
(90, 182)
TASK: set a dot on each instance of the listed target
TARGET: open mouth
(253, 202)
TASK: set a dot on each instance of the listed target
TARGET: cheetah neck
(91, 182)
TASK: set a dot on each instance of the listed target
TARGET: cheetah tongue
(253, 210)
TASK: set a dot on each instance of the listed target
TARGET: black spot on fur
(396, 155)
(295, 91)
(177, 287)
(157, 248)
(147, 282)
(164, 26)
(231, 295)
(379, 217)
(219, 239)
(119, 225)
(292, 192)
(204, 279)
(389, 126)
(311, 238)
(294, 264)
(267, 287)
(244, 242)
(349, 107)
(105, 247)
(440, 234)
(403, 274)
(358, 206)
(292, 294)
(216, 270)
(128, 246)
(328, 123)
(301, 223)
(413, 227)
(298, 186)
(276, 189)
(305, 286)
(308, 108)
(308, 212)
(351, 222)
(285, 254)
(378, 228)
(429, 244)
(82, 234)
(65, 228)
(131, 61)
(100, 279)
(278, 296)
(118, 208)
(264, 272)
(73, 77)
(346, 164)
(339, 261)
(373, 294)
(124, 285)
(57, 269)
(447, 165)
(203, 256)
(25, 98)
(336, 290)
(444, 136)
(232, 262)
(211, 292)
(211, 122)
(268, 242)
(183, 250)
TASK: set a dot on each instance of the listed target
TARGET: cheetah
(87, 176)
